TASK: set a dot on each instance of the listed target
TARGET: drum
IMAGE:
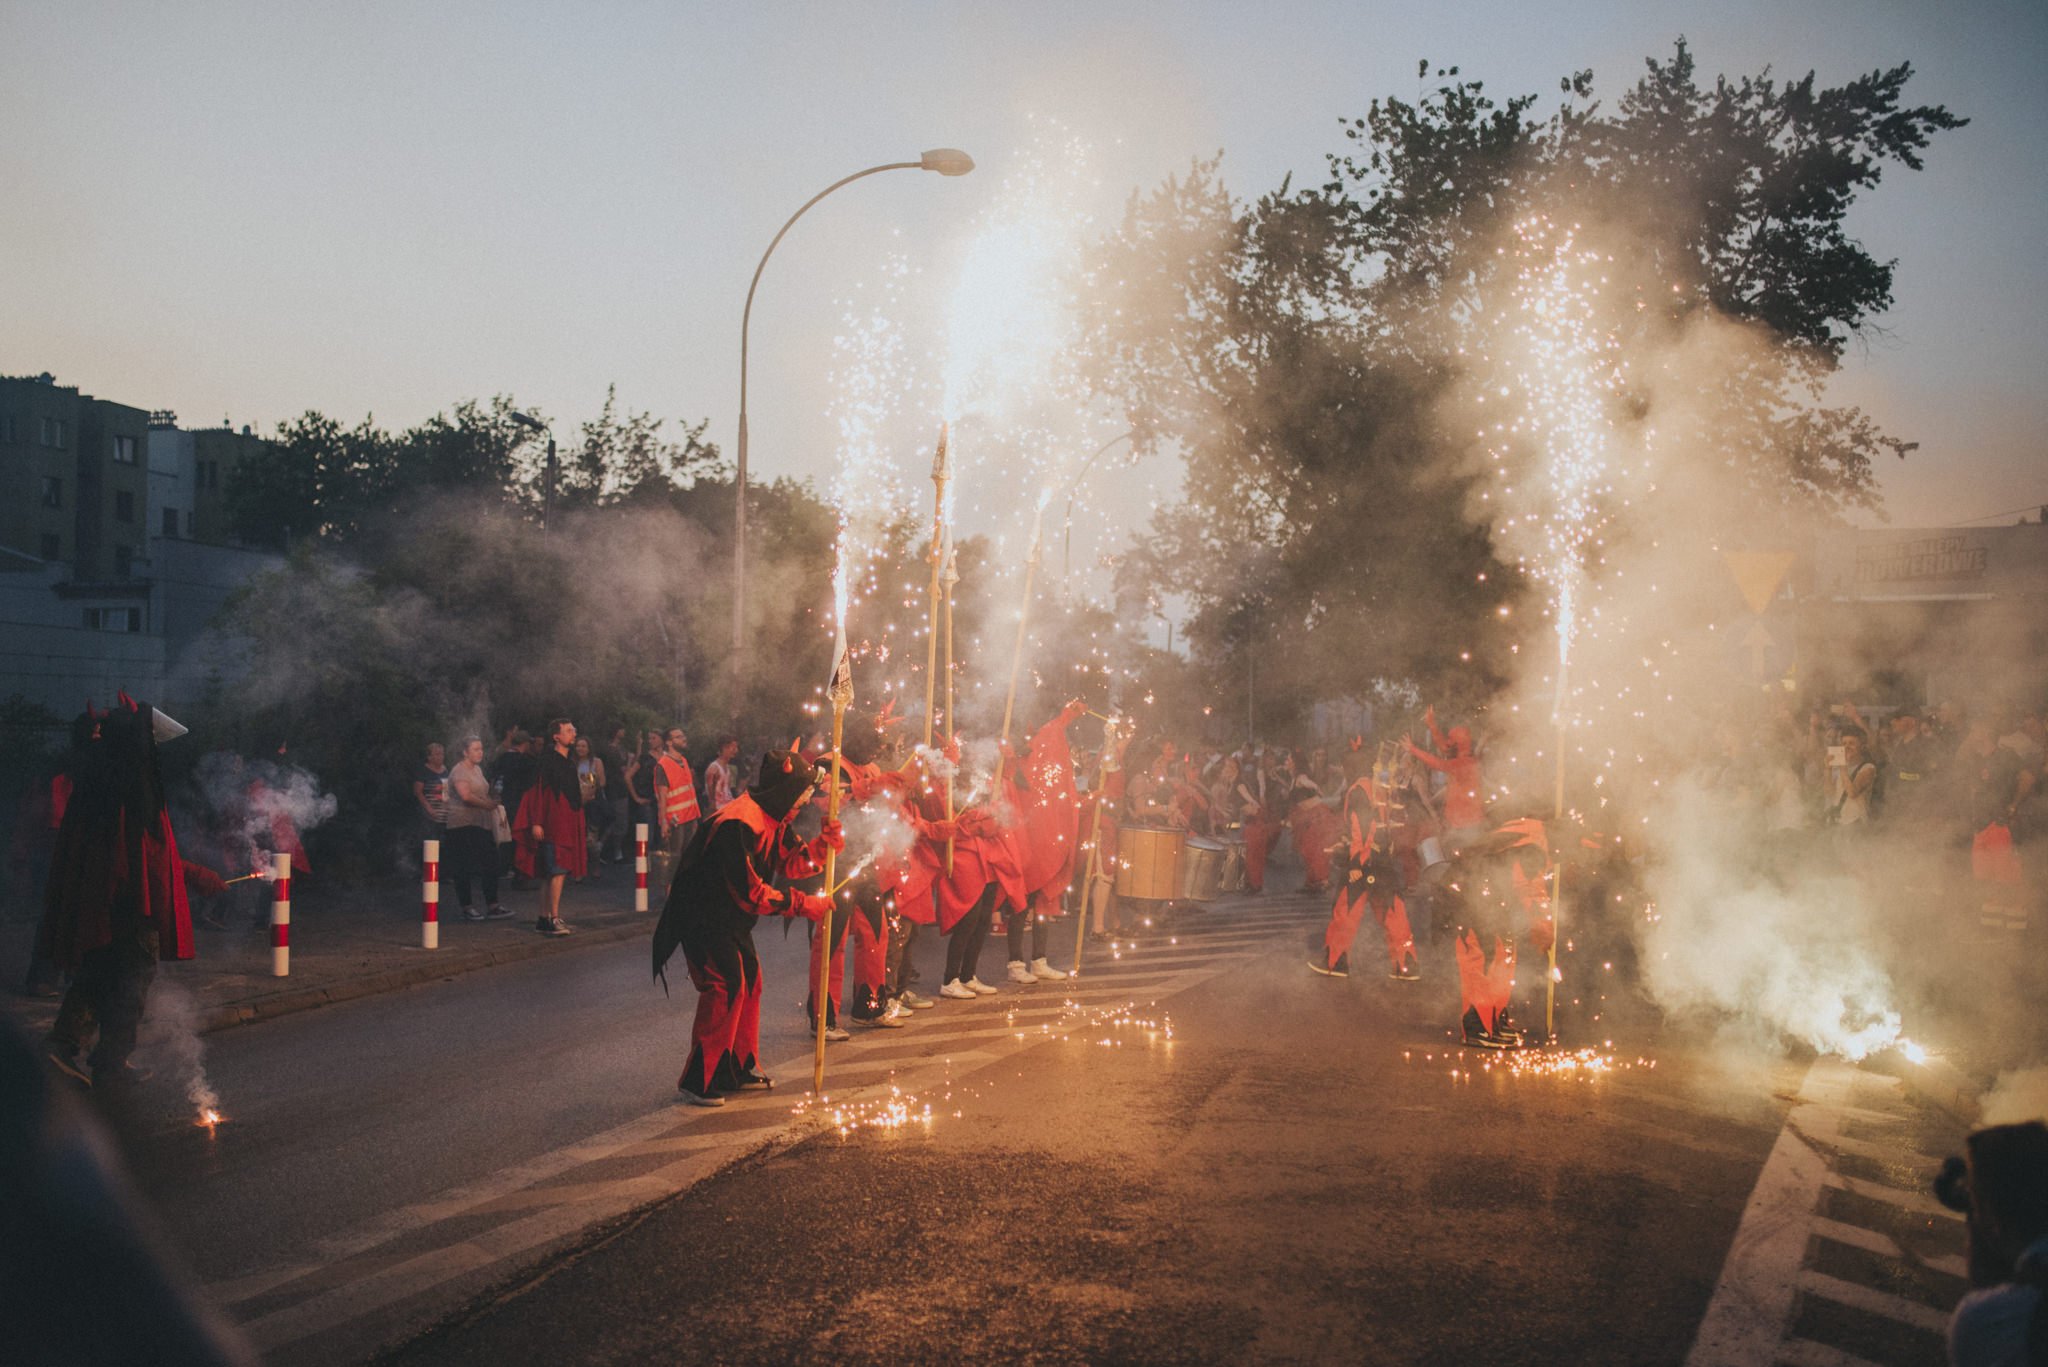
(1148, 863)
(1201, 868)
(1232, 879)
(1431, 852)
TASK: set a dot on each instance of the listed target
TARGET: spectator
(640, 780)
(719, 780)
(550, 829)
(474, 813)
(430, 792)
(618, 798)
(597, 817)
(675, 798)
(1916, 765)
(2003, 1188)
(1849, 785)
(512, 773)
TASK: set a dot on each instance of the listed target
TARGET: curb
(274, 1004)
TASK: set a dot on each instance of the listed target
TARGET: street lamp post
(1067, 548)
(947, 161)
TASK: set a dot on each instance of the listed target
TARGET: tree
(1311, 354)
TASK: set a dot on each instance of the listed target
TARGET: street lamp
(947, 161)
(547, 485)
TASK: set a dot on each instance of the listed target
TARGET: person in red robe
(735, 870)
(116, 902)
(1046, 832)
(549, 830)
(1262, 791)
(1316, 829)
(1372, 879)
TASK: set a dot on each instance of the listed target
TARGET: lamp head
(526, 421)
(947, 161)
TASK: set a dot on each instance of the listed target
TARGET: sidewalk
(352, 942)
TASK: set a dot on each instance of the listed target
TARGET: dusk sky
(250, 210)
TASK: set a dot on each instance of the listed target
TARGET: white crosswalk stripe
(1808, 1281)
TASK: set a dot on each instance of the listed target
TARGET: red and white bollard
(430, 896)
(280, 915)
(640, 866)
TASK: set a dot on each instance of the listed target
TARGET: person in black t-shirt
(512, 773)
(618, 797)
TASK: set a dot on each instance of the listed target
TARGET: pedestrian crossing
(389, 1277)
(1843, 1257)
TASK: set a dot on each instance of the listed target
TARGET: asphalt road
(1198, 1152)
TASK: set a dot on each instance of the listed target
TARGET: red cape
(563, 827)
(87, 882)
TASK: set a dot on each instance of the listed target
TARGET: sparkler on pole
(841, 692)
(1023, 612)
(942, 472)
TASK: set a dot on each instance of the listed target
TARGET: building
(1935, 613)
(114, 546)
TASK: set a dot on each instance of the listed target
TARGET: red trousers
(1484, 988)
(1315, 830)
(870, 964)
(726, 1035)
(1259, 839)
(1349, 913)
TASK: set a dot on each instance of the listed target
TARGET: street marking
(1757, 1298)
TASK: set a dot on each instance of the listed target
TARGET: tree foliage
(1305, 352)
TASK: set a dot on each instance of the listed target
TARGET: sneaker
(1321, 964)
(552, 928)
(472, 914)
(958, 991)
(751, 1081)
(497, 913)
(837, 1034)
(911, 999)
(63, 1056)
(1042, 970)
(1021, 974)
(700, 1098)
(979, 988)
(888, 1020)
(1484, 1041)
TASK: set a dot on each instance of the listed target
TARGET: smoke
(2019, 1095)
(174, 1042)
(253, 809)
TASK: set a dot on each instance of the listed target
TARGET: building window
(124, 450)
(53, 492)
(53, 546)
(170, 522)
(124, 506)
(124, 561)
(53, 432)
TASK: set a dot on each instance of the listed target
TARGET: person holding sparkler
(115, 904)
(866, 901)
(1456, 760)
(728, 877)
(1046, 835)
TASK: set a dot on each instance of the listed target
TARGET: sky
(243, 211)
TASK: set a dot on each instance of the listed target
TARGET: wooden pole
(1556, 865)
(1094, 845)
(842, 694)
(949, 579)
(941, 472)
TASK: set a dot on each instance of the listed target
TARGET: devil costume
(1372, 879)
(115, 903)
(728, 876)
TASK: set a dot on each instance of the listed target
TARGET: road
(1197, 1152)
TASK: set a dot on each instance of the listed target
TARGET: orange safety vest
(678, 794)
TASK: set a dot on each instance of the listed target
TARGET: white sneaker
(958, 991)
(888, 1020)
(1020, 974)
(979, 988)
(1041, 969)
(835, 1034)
